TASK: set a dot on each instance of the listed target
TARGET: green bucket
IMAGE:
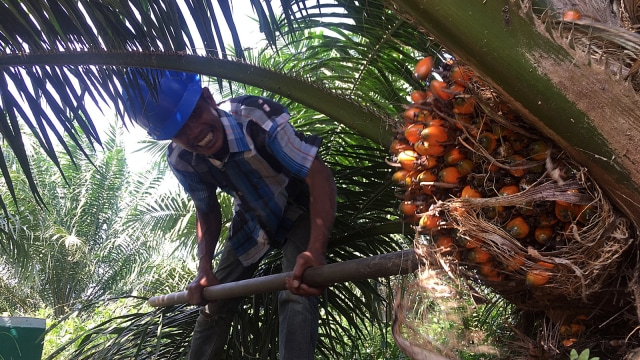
(21, 338)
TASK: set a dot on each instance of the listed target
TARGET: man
(284, 197)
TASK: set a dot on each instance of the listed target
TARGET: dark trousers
(298, 322)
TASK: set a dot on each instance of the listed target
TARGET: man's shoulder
(252, 103)
(181, 159)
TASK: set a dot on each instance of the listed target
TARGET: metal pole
(397, 263)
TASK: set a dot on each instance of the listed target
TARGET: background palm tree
(80, 246)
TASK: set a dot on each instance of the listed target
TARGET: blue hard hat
(162, 101)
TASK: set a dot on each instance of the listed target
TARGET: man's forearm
(322, 206)
(208, 227)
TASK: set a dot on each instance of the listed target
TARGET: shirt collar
(234, 131)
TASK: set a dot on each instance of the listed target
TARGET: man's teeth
(206, 140)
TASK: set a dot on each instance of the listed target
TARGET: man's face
(203, 132)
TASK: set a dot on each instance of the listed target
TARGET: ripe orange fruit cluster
(449, 144)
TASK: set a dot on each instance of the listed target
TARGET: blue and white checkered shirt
(264, 171)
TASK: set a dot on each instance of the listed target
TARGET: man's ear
(206, 95)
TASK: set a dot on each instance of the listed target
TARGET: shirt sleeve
(294, 150)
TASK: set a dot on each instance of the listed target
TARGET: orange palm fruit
(489, 271)
(413, 131)
(537, 150)
(428, 189)
(492, 212)
(407, 159)
(568, 342)
(487, 141)
(565, 330)
(564, 211)
(428, 149)
(543, 234)
(424, 116)
(517, 227)
(444, 242)
(545, 264)
(517, 141)
(400, 176)
(428, 162)
(465, 167)
(412, 193)
(469, 192)
(546, 219)
(499, 130)
(536, 277)
(419, 96)
(516, 160)
(478, 255)
(453, 156)
(565, 203)
(493, 167)
(429, 222)
(415, 114)
(423, 68)
(425, 177)
(449, 175)
(463, 121)
(435, 122)
(469, 243)
(461, 75)
(463, 105)
(408, 208)
(440, 90)
(508, 190)
(398, 145)
(571, 15)
(576, 328)
(456, 89)
(587, 213)
(410, 115)
(434, 134)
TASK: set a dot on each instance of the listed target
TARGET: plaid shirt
(264, 171)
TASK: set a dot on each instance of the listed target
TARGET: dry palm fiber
(580, 264)
(603, 34)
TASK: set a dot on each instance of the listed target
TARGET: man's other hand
(294, 283)
(194, 289)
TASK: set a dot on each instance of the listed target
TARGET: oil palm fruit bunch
(457, 140)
